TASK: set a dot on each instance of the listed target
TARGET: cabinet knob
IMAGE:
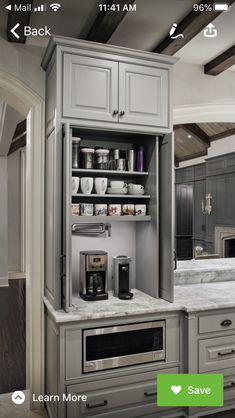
(122, 113)
(115, 112)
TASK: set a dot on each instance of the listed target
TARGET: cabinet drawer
(137, 392)
(214, 323)
(216, 353)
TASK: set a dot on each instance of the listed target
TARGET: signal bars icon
(41, 8)
(55, 6)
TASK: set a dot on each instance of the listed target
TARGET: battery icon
(221, 7)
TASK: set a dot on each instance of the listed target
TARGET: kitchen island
(204, 271)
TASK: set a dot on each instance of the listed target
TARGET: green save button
(190, 390)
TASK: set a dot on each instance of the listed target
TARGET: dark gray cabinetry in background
(184, 220)
(217, 177)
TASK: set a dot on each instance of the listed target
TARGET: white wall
(23, 62)
(14, 211)
(192, 87)
(220, 147)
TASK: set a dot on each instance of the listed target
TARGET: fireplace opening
(230, 247)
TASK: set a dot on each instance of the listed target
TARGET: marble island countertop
(205, 271)
(193, 298)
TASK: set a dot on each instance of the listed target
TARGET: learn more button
(190, 390)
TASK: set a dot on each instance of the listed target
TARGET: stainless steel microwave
(124, 345)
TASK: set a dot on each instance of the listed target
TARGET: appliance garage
(109, 160)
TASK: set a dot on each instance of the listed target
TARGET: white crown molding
(206, 112)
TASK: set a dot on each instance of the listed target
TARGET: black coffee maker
(121, 277)
(93, 275)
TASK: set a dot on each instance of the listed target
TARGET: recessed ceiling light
(189, 136)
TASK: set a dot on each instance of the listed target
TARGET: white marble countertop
(189, 298)
(205, 271)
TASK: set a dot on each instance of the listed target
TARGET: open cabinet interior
(135, 236)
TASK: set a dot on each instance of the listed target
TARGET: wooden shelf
(110, 172)
(125, 218)
(107, 196)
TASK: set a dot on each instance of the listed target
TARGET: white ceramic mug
(101, 184)
(114, 209)
(128, 209)
(101, 209)
(75, 184)
(87, 209)
(87, 184)
(140, 210)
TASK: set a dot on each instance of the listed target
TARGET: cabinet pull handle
(229, 385)
(122, 113)
(147, 394)
(96, 405)
(115, 112)
(226, 323)
(226, 353)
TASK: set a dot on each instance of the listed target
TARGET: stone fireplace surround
(222, 234)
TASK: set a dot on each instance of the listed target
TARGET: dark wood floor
(12, 337)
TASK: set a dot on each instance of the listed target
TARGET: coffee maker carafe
(93, 275)
(121, 277)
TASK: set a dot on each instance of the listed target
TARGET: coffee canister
(87, 158)
(75, 152)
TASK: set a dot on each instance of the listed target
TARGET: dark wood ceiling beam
(107, 22)
(192, 156)
(195, 130)
(17, 144)
(224, 134)
(20, 129)
(221, 63)
(189, 26)
(14, 17)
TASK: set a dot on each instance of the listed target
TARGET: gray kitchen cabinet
(115, 98)
(128, 396)
(97, 89)
(129, 391)
(90, 88)
(184, 175)
(143, 95)
(211, 349)
(216, 353)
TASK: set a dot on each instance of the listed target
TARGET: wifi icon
(55, 6)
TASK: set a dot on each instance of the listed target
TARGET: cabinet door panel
(53, 169)
(166, 217)
(143, 95)
(90, 89)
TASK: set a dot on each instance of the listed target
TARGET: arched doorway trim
(27, 102)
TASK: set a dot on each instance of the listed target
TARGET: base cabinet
(128, 397)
